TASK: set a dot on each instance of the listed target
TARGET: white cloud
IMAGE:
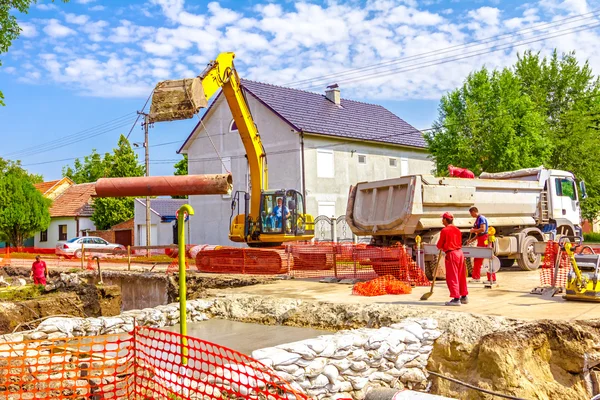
(9, 70)
(423, 49)
(96, 8)
(76, 19)
(56, 30)
(46, 7)
(28, 30)
(84, 1)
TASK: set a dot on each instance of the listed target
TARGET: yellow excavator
(270, 217)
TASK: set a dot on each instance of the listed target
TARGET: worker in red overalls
(456, 275)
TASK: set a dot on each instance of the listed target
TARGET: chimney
(333, 94)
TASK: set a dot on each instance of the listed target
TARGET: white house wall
(210, 224)
(161, 233)
(332, 193)
(53, 232)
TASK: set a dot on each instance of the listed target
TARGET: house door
(141, 239)
(123, 237)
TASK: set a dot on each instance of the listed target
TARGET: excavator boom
(182, 99)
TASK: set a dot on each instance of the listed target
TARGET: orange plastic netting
(380, 286)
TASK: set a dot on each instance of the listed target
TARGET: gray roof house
(318, 144)
(162, 217)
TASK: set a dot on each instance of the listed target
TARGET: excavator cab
(282, 219)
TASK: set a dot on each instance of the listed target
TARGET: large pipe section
(181, 185)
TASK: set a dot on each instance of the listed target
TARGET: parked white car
(72, 247)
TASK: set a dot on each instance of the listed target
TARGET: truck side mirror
(582, 191)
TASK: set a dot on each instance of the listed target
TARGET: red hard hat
(447, 215)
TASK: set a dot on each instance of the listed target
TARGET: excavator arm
(182, 99)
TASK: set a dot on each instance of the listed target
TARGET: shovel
(428, 294)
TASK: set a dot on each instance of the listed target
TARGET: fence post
(354, 259)
(129, 258)
(335, 260)
(82, 256)
(333, 230)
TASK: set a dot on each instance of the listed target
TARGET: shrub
(593, 237)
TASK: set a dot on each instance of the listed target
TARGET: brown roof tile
(75, 201)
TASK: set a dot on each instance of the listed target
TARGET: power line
(468, 55)
(474, 43)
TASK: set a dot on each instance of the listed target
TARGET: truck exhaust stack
(165, 185)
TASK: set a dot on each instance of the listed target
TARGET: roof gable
(53, 189)
(164, 207)
(74, 202)
(313, 113)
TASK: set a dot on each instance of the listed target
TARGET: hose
(505, 396)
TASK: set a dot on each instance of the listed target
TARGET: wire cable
(560, 22)
(504, 396)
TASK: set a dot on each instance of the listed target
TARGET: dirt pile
(20, 306)
(538, 360)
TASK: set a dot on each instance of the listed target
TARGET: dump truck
(524, 206)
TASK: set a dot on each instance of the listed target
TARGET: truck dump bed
(407, 205)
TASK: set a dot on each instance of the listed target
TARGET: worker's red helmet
(447, 215)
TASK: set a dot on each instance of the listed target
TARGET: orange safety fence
(548, 266)
(380, 286)
(100, 367)
(208, 371)
(145, 364)
(5, 261)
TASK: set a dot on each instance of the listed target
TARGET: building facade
(316, 144)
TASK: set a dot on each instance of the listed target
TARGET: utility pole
(147, 163)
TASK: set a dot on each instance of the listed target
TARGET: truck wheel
(430, 268)
(528, 260)
(506, 262)
(469, 263)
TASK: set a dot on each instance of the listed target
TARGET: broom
(428, 294)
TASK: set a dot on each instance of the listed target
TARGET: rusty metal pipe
(181, 185)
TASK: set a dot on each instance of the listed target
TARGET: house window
(233, 126)
(403, 166)
(325, 165)
(362, 159)
(393, 162)
(44, 236)
(62, 232)
(225, 169)
(326, 208)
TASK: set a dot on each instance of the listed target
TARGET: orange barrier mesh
(146, 364)
(234, 260)
(382, 285)
(354, 261)
(548, 267)
(99, 367)
(174, 266)
(5, 262)
(210, 371)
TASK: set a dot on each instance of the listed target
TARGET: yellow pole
(186, 208)
(128, 258)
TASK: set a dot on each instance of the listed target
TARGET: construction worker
(456, 275)
(480, 229)
(39, 271)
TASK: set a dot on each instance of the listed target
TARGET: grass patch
(27, 292)
(593, 237)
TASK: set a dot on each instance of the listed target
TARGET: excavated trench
(526, 359)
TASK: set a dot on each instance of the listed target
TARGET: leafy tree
(23, 209)
(542, 111)
(9, 28)
(91, 169)
(181, 168)
(14, 167)
(123, 162)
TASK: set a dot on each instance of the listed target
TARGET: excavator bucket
(177, 99)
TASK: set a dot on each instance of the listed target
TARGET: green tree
(123, 162)
(181, 168)
(9, 27)
(542, 111)
(14, 167)
(23, 209)
(92, 168)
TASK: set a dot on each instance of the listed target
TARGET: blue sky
(79, 72)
